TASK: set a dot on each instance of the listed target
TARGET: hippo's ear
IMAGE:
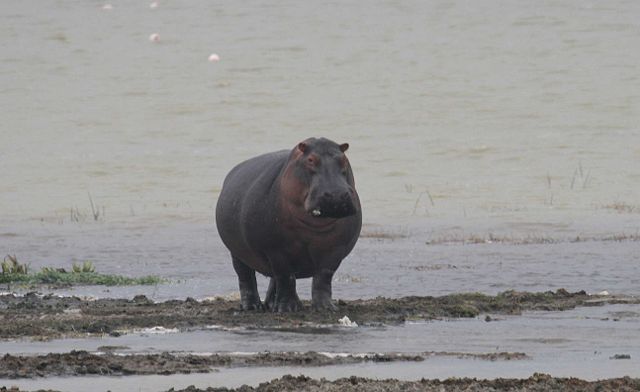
(302, 146)
(344, 147)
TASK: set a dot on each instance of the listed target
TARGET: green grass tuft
(14, 272)
(87, 266)
(10, 265)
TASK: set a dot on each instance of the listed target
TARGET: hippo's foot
(250, 300)
(270, 304)
(281, 295)
(287, 305)
(253, 304)
(323, 305)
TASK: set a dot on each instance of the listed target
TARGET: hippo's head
(323, 172)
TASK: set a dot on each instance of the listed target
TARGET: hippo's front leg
(321, 291)
(249, 297)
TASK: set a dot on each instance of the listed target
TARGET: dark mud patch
(537, 382)
(44, 317)
(81, 363)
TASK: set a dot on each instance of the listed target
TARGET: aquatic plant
(84, 274)
(87, 266)
(10, 265)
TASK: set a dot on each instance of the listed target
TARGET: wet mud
(44, 317)
(82, 363)
(537, 382)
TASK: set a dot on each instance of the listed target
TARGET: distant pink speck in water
(107, 7)
(214, 58)
(155, 37)
(153, 5)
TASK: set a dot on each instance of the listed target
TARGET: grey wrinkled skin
(290, 215)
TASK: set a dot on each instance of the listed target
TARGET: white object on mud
(157, 330)
(214, 58)
(107, 7)
(346, 322)
(153, 5)
(317, 212)
(155, 37)
(604, 292)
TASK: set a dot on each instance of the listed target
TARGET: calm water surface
(498, 108)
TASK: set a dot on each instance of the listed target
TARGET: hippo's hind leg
(286, 297)
(321, 291)
(282, 296)
(270, 298)
(249, 297)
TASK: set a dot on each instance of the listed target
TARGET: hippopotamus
(290, 215)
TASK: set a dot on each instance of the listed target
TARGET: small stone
(621, 356)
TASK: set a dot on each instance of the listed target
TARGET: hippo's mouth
(329, 207)
(316, 223)
(336, 211)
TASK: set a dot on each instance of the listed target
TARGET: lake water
(528, 111)
(514, 124)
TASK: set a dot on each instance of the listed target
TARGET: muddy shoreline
(44, 317)
(537, 382)
(82, 363)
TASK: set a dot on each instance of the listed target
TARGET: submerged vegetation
(14, 272)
